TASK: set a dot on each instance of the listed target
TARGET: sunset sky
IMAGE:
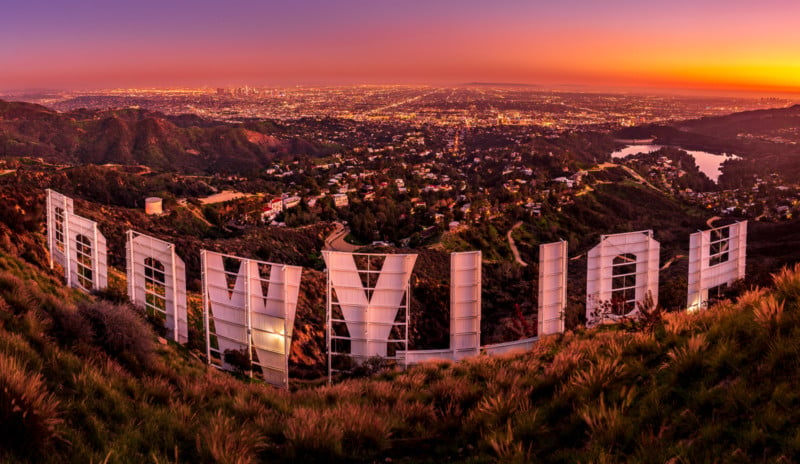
(684, 44)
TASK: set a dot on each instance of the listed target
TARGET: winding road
(513, 245)
(336, 241)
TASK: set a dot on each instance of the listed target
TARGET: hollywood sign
(249, 306)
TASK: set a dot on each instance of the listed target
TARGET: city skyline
(706, 46)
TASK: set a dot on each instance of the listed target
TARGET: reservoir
(709, 163)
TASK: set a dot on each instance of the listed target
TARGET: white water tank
(153, 205)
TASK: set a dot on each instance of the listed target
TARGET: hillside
(610, 208)
(110, 198)
(85, 380)
(756, 122)
(139, 137)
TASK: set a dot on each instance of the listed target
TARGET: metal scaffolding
(621, 264)
(157, 282)
(367, 305)
(716, 259)
(552, 287)
(243, 318)
(465, 304)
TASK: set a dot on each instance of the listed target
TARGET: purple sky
(689, 44)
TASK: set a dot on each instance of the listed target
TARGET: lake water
(709, 163)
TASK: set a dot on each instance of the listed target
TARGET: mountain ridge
(183, 143)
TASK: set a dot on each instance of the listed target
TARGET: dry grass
(347, 430)
(787, 283)
(563, 363)
(454, 394)
(506, 448)
(710, 386)
(681, 322)
(29, 412)
(751, 299)
(414, 415)
(496, 410)
(381, 392)
(606, 420)
(589, 383)
(769, 313)
(508, 379)
(687, 358)
(229, 441)
(312, 433)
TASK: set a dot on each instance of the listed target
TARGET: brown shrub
(70, 326)
(121, 332)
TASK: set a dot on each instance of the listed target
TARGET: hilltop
(86, 380)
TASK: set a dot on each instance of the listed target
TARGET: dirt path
(630, 171)
(602, 166)
(639, 177)
(586, 189)
(223, 196)
(197, 214)
(513, 245)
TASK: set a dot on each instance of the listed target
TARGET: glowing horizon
(697, 45)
